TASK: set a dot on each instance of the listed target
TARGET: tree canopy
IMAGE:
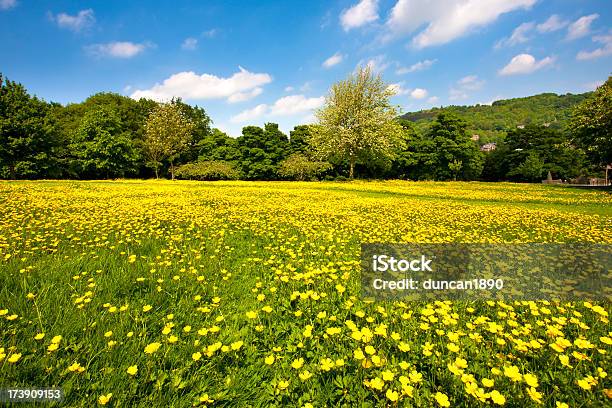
(357, 122)
(358, 134)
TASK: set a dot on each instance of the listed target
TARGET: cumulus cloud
(419, 93)
(190, 44)
(250, 114)
(603, 51)
(464, 86)
(398, 89)
(525, 64)
(378, 63)
(581, 27)
(419, 66)
(245, 96)
(553, 23)
(446, 20)
(333, 60)
(189, 85)
(7, 4)
(83, 19)
(118, 49)
(519, 36)
(362, 13)
(293, 104)
(286, 106)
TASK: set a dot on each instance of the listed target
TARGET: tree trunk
(352, 168)
(156, 173)
(172, 171)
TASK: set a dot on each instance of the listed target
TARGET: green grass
(278, 239)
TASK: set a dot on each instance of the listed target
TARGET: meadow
(160, 293)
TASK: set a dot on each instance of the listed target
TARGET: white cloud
(398, 89)
(581, 27)
(519, 36)
(293, 104)
(553, 23)
(446, 20)
(471, 83)
(433, 100)
(333, 60)
(189, 85)
(419, 93)
(190, 44)
(245, 96)
(83, 19)
(210, 33)
(289, 89)
(604, 51)
(377, 64)
(118, 49)
(364, 12)
(286, 106)
(525, 64)
(250, 114)
(7, 4)
(419, 66)
(463, 86)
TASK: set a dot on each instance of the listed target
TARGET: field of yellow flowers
(159, 293)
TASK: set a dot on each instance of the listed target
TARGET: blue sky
(251, 62)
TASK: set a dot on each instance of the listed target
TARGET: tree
(168, 133)
(201, 130)
(444, 152)
(551, 146)
(261, 151)
(357, 122)
(298, 138)
(218, 146)
(28, 134)
(531, 169)
(101, 148)
(301, 168)
(591, 125)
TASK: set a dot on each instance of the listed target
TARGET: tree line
(358, 133)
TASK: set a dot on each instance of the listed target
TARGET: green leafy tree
(453, 144)
(201, 130)
(261, 151)
(28, 134)
(298, 139)
(591, 125)
(168, 133)
(218, 146)
(131, 115)
(531, 169)
(445, 152)
(552, 147)
(100, 146)
(455, 168)
(357, 122)
(300, 167)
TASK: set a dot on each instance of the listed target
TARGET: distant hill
(491, 122)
